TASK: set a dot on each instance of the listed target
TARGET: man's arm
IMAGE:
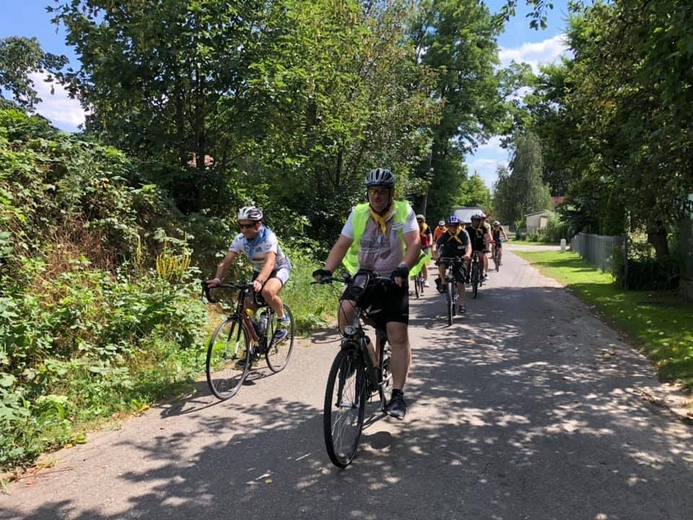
(413, 243)
(223, 268)
(338, 252)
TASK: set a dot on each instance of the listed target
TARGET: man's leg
(441, 276)
(400, 362)
(270, 292)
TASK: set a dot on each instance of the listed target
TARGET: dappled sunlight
(504, 417)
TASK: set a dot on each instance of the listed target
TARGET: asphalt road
(528, 407)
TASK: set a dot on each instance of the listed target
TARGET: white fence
(598, 250)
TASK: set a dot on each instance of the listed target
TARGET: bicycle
(353, 379)
(452, 266)
(240, 340)
(496, 254)
(418, 285)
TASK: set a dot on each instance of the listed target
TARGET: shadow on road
(513, 415)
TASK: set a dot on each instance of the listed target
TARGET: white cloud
(544, 52)
(65, 113)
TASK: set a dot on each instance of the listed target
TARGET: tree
(19, 58)
(456, 39)
(520, 189)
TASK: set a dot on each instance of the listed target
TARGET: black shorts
(385, 303)
(459, 270)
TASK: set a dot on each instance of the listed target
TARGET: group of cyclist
(382, 235)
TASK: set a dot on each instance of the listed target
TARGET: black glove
(401, 272)
(319, 274)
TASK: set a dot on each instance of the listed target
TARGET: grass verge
(658, 322)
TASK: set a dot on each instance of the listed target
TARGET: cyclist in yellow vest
(381, 235)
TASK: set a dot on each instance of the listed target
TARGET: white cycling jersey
(256, 249)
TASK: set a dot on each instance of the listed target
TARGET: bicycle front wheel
(385, 385)
(475, 279)
(450, 295)
(279, 352)
(345, 404)
(416, 288)
(228, 359)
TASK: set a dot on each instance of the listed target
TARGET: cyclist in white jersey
(271, 267)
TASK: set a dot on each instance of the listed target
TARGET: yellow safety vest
(361, 216)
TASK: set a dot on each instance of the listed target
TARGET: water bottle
(264, 322)
(251, 314)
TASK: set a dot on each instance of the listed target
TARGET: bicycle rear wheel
(278, 353)
(420, 283)
(228, 359)
(496, 259)
(345, 404)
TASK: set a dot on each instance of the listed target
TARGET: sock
(395, 392)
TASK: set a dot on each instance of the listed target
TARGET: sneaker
(282, 330)
(426, 284)
(397, 408)
(485, 276)
(461, 309)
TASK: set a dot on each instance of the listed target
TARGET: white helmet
(380, 177)
(250, 213)
(441, 223)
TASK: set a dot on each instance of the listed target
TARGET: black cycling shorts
(459, 270)
(385, 303)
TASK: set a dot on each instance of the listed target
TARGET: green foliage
(614, 120)
(88, 328)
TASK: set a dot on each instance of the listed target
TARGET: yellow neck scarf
(454, 236)
(382, 220)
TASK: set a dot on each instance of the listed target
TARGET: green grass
(660, 323)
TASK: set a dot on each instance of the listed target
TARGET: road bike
(242, 338)
(355, 377)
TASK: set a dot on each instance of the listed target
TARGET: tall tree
(457, 40)
(522, 190)
(19, 58)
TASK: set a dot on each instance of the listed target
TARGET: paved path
(526, 408)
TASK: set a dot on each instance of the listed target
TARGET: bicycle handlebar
(238, 286)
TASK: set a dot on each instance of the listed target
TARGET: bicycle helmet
(496, 223)
(483, 215)
(420, 217)
(453, 219)
(441, 223)
(250, 213)
(380, 177)
(476, 216)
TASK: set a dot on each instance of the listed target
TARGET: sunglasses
(247, 226)
(379, 191)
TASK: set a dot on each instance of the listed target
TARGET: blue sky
(518, 42)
